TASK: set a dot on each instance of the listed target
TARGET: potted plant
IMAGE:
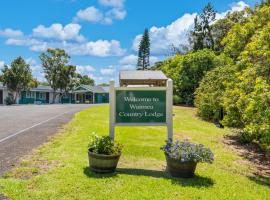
(103, 154)
(182, 157)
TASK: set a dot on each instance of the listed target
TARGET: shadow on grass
(260, 180)
(254, 154)
(88, 172)
(196, 181)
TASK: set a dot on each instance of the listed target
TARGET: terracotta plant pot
(180, 169)
(103, 163)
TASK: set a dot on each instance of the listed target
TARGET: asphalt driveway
(22, 128)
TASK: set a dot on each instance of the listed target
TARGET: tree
(187, 71)
(67, 74)
(18, 77)
(144, 52)
(104, 84)
(222, 26)
(201, 36)
(85, 80)
(242, 88)
(209, 94)
(57, 71)
(44, 83)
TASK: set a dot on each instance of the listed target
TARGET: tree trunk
(54, 96)
(15, 94)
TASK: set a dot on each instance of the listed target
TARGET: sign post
(112, 109)
(141, 106)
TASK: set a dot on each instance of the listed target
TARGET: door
(47, 97)
(1, 96)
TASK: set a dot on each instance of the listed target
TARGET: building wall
(5, 94)
(22, 99)
(101, 98)
(36, 96)
(57, 98)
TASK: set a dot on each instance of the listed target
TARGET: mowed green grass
(59, 169)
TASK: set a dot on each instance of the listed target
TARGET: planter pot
(103, 163)
(180, 169)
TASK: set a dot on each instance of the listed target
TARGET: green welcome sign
(140, 106)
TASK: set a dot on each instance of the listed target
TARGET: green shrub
(104, 145)
(176, 100)
(9, 100)
(208, 96)
(187, 71)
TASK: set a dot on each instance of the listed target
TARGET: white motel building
(44, 95)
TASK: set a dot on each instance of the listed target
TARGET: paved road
(22, 128)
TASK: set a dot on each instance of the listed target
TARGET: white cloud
(162, 38)
(8, 32)
(239, 6)
(115, 13)
(100, 48)
(94, 15)
(59, 32)
(36, 68)
(108, 71)
(22, 41)
(96, 78)
(30, 61)
(130, 62)
(112, 3)
(90, 14)
(85, 69)
(2, 63)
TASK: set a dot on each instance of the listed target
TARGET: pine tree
(201, 37)
(144, 52)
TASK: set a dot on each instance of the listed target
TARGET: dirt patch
(252, 153)
(182, 136)
(29, 169)
(3, 197)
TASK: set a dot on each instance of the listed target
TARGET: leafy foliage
(201, 36)
(18, 77)
(9, 100)
(242, 88)
(188, 152)
(104, 145)
(58, 73)
(221, 27)
(208, 96)
(188, 70)
(85, 80)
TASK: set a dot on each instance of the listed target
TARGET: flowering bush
(188, 152)
(104, 145)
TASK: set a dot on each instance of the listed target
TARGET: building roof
(95, 89)
(44, 88)
(138, 77)
(142, 75)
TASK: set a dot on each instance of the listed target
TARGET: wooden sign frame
(169, 108)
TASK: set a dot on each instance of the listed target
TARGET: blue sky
(101, 36)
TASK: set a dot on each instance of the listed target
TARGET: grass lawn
(59, 169)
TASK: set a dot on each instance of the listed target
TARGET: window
(30, 94)
(27, 94)
(42, 95)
